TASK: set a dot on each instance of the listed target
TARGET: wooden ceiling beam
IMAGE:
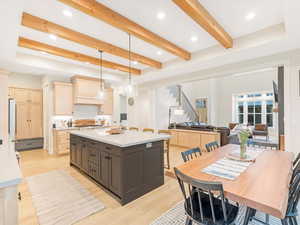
(38, 46)
(200, 15)
(100, 11)
(42, 25)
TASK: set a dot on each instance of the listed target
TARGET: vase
(243, 148)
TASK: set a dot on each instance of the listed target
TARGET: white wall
(4, 109)
(219, 92)
(227, 87)
(292, 104)
(141, 113)
(25, 81)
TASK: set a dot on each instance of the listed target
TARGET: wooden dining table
(263, 186)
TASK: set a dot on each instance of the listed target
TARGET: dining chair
(291, 212)
(148, 130)
(296, 161)
(212, 146)
(201, 205)
(166, 147)
(191, 154)
(133, 128)
(262, 145)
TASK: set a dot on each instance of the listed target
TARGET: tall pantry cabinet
(29, 112)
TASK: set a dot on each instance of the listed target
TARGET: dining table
(263, 186)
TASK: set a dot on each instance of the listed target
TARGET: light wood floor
(139, 212)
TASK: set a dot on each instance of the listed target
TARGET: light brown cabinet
(61, 141)
(193, 138)
(63, 98)
(107, 107)
(29, 112)
(85, 90)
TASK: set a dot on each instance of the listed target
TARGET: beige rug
(60, 199)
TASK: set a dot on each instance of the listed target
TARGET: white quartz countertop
(128, 138)
(10, 173)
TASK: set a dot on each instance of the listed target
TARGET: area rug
(60, 199)
(176, 216)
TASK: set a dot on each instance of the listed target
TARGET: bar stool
(166, 146)
(133, 128)
(148, 130)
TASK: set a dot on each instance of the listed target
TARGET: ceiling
(176, 27)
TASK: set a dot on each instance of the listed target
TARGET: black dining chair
(293, 199)
(212, 146)
(191, 154)
(296, 161)
(200, 204)
(262, 145)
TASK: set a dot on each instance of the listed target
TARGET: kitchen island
(128, 165)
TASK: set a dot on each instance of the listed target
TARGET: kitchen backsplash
(82, 112)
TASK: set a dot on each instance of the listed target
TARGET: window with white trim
(254, 108)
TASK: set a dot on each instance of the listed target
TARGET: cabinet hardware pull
(108, 148)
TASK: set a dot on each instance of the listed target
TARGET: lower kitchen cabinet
(127, 173)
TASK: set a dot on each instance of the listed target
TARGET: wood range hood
(85, 90)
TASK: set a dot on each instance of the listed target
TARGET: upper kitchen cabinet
(107, 107)
(63, 98)
(85, 90)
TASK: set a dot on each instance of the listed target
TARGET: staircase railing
(177, 93)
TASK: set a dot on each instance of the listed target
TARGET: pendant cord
(101, 62)
(129, 56)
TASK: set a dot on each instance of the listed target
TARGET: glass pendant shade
(100, 95)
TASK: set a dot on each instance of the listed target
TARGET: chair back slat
(212, 146)
(294, 194)
(191, 154)
(296, 161)
(196, 193)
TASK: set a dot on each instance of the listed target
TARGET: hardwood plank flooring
(139, 212)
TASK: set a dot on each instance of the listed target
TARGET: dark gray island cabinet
(126, 172)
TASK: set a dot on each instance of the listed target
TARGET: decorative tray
(237, 157)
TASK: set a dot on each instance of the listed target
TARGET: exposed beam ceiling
(200, 15)
(42, 25)
(38, 46)
(100, 11)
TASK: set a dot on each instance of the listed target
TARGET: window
(254, 108)
(241, 112)
(269, 112)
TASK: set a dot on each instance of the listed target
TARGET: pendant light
(129, 89)
(100, 94)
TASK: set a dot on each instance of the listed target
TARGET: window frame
(264, 97)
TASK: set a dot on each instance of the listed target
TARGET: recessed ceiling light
(53, 37)
(160, 15)
(194, 38)
(159, 53)
(67, 13)
(87, 63)
(250, 16)
(135, 62)
(44, 53)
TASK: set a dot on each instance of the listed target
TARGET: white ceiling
(177, 27)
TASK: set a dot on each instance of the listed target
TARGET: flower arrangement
(244, 135)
